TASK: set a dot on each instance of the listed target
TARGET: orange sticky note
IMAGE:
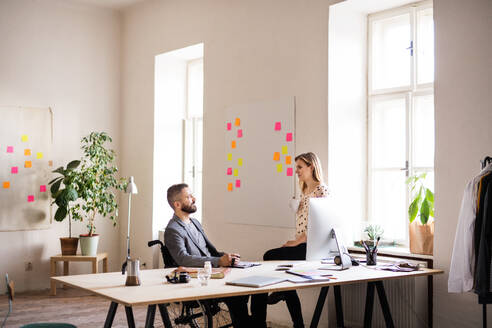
(27, 152)
(276, 156)
(229, 186)
(237, 122)
(6, 185)
(288, 160)
(233, 144)
(27, 164)
(50, 163)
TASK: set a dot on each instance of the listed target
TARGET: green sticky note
(240, 162)
(279, 167)
(285, 150)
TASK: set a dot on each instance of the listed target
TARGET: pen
(374, 250)
(364, 245)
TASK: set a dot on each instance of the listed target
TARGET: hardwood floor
(70, 306)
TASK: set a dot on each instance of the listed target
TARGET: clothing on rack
(466, 246)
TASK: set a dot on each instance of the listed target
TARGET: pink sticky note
(289, 172)
(229, 171)
(288, 137)
(239, 133)
(30, 198)
(238, 183)
(278, 126)
(10, 149)
(14, 170)
(42, 188)
(229, 125)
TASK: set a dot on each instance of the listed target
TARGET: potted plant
(96, 185)
(64, 193)
(422, 206)
(373, 231)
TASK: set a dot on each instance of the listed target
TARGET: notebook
(255, 281)
(244, 264)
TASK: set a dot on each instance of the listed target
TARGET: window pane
(389, 133)
(389, 194)
(425, 49)
(423, 131)
(195, 89)
(391, 59)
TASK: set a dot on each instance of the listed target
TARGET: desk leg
(369, 305)
(66, 269)
(105, 264)
(384, 304)
(319, 307)
(165, 315)
(149, 321)
(94, 266)
(338, 306)
(430, 300)
(129, 317)
(53, 273)
(110, 317)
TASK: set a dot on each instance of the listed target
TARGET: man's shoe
(275, 297)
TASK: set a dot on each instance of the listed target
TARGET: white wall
(253, 50)
(463, 115)
(64, 56)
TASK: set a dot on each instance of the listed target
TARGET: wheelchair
(195, 314)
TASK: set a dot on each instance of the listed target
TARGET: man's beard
(189, 208)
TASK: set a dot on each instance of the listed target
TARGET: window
(193, 131)
(400, 111)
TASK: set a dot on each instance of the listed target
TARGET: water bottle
(207, 266)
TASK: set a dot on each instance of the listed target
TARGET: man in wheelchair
(189, 246)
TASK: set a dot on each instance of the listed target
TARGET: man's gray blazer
(184, 248)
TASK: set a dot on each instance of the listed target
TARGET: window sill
(403, 252)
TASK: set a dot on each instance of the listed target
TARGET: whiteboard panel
(25, 165)
(257, 190)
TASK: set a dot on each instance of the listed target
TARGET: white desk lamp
(133, 269)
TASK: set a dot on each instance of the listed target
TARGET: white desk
(154, 290)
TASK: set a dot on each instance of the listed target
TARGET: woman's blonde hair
(311, 160)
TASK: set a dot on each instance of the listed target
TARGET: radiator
(407, 301)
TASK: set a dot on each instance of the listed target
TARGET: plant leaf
(73, 165)
(429, 195)
(55, 186)
(60, 214)
(60, 170)
(413, 209)
(54, 180)
(424, 211)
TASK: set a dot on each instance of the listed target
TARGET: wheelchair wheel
(217, 314)
(187, 314)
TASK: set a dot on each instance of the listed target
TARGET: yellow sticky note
(288, 160)
(235, 172)
(285, 150)
(27, 152)
(237, 122)
(39, 155)
(6, 185)
(27, 164)
(229, 157)
(233, 144)
(229, 186)
(240, 162)
(276, 156)
(24, 138)
(279, 167)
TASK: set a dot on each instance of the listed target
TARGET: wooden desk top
(79, 257)
(155, 289)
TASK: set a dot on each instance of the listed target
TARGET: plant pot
(69, 245)
(421, 238)
(88, 244)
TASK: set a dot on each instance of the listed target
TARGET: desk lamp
(131, 188)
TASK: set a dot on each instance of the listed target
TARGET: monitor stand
(342, 250)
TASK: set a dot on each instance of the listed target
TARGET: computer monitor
(323, 218)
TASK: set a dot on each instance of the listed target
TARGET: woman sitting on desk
(310, 175)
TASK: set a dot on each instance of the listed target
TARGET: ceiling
(114, 4)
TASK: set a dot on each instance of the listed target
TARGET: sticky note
(39, 155)
(279, 167)
(27, 164)
(50, 163)
(229, 157)
(6, 185)
(24, 138)
(233, 144)
(290, 171)
(27, 152)
(30, 198)
(238, 183)
(237, 122)
(288, 160)
(229, 170)
(10, 149)
(236, 172)
(285, 150)
(288, 137)
(239, 162)
(229, 186)
(239, 133)
(42, 188)
(276, 156)
(278, 126)
(229, 126)
(14, 170)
